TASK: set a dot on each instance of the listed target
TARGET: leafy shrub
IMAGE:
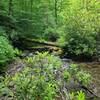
(44, 60)
(78, 45)
(32, 86)
(37, 81)
(81, 28)
(43, 79)
(51, 34)
(80, 95)
(73, 69)
(6, 50)
(2, 31)
(83, 77)
(18, 52)
(66, 75)
(80, 75)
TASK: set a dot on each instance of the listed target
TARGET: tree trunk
(31, 7)
(10, 9)
(56, 15)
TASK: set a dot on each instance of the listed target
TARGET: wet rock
(15, 67)
(66, 60)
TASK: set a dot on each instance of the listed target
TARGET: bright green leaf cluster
(6, 50)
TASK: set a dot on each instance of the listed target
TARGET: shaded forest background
(74, 25)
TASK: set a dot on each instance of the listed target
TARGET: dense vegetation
(73, 24)
(45, 78)
(6, 51)
(71, 28)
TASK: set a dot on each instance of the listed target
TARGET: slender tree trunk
(10, 9)
(0, 6)
(10, 12)
(31, 7)
(56, 14)
(31, 1)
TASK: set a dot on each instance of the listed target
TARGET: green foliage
(2, 31)
(80, 75)
(37, 81)
(74, 23)
(80, 95)
(26, 28)
(45, 60)
(73, 69)
(6, 50)
(18, 52)
(81, 28)
(66, 75)
(34, 86)
(72, 96)
(41, 80)
(3, 86)
(84, 78)
(51, 34)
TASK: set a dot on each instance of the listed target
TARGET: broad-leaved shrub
(43, 78)
(6, 50)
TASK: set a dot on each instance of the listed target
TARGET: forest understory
(49, 50)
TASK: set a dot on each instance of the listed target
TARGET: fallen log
(34, 45)
(41, 42)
